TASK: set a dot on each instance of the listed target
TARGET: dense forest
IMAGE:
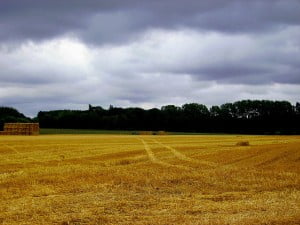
(247, 116)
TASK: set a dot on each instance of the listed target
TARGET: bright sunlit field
(135, 179)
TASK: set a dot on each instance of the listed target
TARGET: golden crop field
(123, 179)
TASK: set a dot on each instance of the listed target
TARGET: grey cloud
(243, 16)
(23, 78)
(234, 74)
(241, 73)
(228, 59)
(101, 22)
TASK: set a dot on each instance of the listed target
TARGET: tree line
(246, 116)
(11, 115)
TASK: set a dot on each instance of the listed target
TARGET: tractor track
(155, 160)
(19, 153)
(183, 157)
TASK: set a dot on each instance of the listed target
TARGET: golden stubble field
(119, 179)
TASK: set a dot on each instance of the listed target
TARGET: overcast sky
(66, 54)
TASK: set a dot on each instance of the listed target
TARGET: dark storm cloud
(118, 20)
(239, 73)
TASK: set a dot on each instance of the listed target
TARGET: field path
(183, 157)
(19, 153)
(153, 158)
(13, 149)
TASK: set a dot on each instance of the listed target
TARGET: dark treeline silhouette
(247, 116)
(8, 114)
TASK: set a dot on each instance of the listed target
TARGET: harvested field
(128, 179)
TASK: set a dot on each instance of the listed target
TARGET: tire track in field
(17, 152)
(153, 158)
(12, 148)
(183, 157)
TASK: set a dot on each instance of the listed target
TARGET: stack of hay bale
(21, 129)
